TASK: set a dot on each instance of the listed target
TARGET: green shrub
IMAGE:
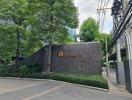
(94, 80)
(34, 71)
(35, 68)
(29, 70)
(24, 71)
(4, 71)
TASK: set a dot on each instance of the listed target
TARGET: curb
(79, 85)
(17, 78)
(90, 87)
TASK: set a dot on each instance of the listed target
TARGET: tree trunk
(49, 59)
(17, 49)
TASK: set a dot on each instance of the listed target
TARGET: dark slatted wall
(83, 58)
(78, 58)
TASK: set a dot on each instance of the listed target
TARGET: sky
(88, 8)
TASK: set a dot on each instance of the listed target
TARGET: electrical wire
(98, 13)
(101, 12)
(104, 12)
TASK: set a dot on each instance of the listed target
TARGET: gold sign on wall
(60, 53)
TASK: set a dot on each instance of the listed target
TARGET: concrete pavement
(113, 86)
(51, 90)
(7, 85)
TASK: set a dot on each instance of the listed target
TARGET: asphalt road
(51, 90)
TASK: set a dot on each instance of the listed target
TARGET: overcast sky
(88, 8)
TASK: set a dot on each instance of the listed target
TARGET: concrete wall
(120, 76)
(83, 58)
(128, 74)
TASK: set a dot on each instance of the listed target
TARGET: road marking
(44, 92)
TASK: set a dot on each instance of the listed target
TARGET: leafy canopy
(52, 17)
(37, 22)
(89, 30)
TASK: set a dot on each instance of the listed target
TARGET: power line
(104, 12)
(101, 12)
(101, 4)
(98, 13)
(106, 5)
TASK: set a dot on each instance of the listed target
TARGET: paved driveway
(51, 90)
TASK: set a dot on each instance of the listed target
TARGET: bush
(35, 68)
(4, 70)
(34, 71)
(94, 80)
(24, 71)
(27, 71)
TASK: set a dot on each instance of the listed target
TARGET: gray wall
(83, 58)
(128, 75)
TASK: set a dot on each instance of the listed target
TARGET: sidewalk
(113, 86)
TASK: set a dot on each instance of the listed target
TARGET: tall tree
(89, 30)
(52, 18)
(13, 11)
(102, 38)
(14, 17)
(7, 42)
(36, 21)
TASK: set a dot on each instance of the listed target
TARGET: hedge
(93, 80)
(28, 72)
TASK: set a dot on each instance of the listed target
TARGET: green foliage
(35, 68)
(7, 41)
(24, 71)
(34, 71)
(37, 22)
(13, 14)
(31, 43)
(51, 19)
(4, 70)
(92, 80)
(95, 80)
(29, 70)
(102, 37)
(89, 30)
